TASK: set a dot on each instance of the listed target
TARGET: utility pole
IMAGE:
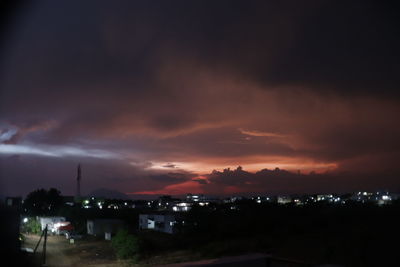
(44, 246)
(78, 182)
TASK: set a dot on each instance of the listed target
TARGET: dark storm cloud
(319, 44)
(347, 47)
(283, 182)
(157, 84)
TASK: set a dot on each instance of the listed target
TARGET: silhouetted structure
(78, 182)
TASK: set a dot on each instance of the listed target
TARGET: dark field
(356, 235)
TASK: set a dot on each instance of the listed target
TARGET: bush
(125, 245)
(32, 226)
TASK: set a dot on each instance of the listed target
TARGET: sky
(212, 97)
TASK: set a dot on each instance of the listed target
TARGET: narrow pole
(44, 245)
(78, 182)
(40, 239)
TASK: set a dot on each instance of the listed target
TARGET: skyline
(152, 97)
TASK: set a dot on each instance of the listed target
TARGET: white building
(182, 206)
(158, 222)
(51, 223)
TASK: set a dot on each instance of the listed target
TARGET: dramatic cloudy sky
(152, 96)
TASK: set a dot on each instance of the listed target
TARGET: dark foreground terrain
(352, 235)
(349, 235)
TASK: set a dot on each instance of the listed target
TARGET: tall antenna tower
(78, 182)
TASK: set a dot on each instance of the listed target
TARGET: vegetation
(126, 245)
(43, 202)
(31, 226)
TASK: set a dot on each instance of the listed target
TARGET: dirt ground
(84, 252)
(91, 251)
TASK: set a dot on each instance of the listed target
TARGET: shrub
(125, 245)
(32, 226)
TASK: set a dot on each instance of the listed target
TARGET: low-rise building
(159, 222)
(99, 227)
(182, 206)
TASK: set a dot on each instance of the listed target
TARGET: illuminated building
(158, 222)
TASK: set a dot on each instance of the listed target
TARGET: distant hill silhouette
(108, 193)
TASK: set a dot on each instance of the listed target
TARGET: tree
(43, 202)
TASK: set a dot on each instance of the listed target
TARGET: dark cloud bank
(141, 91)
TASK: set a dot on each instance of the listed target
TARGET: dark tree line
(43, 202)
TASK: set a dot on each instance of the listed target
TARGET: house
(99, 227)
(51, 222)
(159, 222)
